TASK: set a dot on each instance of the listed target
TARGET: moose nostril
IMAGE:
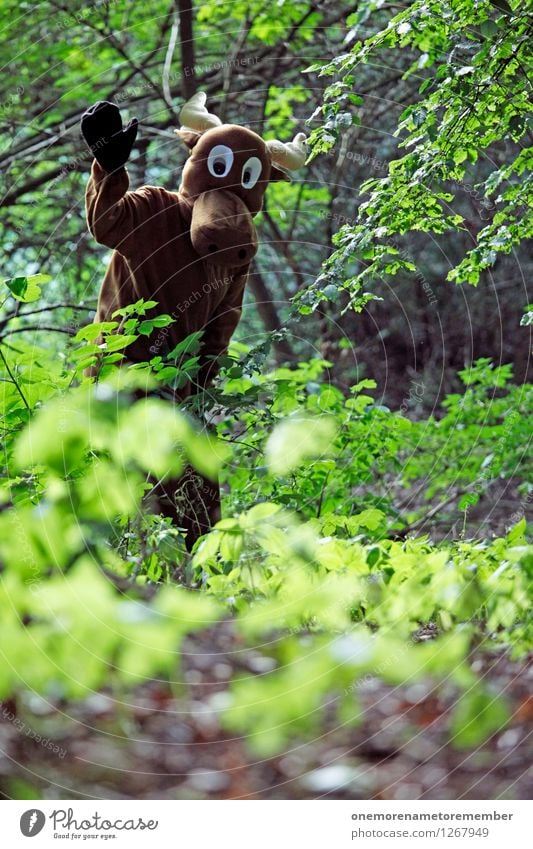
(212, 248)
(242, 254)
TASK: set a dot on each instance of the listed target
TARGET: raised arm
(115, 216)
(113, 213)
(109, 215)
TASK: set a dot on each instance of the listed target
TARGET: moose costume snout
(222, 230)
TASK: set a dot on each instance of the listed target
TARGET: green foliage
(297, 439)
(74, 476)
(311, 600)
(473, 60)
(365, 455)
(307, 559)
(71, 634)
(482, 438)
(106, 344)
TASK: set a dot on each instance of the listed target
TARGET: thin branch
(14, 381)
(50, 308)
(109, 35)
(13, 197)
(59, 307)
(168, 60)
(321, 496)
(401, 534)
(66, 330)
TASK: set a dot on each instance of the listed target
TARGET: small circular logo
(32, 822)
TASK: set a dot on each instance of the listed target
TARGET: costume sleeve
(114, 215)
(219, 330)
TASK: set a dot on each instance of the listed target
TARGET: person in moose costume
(188, 250)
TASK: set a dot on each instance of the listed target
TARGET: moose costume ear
(195, 119)
(189, 137)
(277, 175)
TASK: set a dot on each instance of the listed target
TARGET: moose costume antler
(195, 116)
(291, 155)
(188, 250)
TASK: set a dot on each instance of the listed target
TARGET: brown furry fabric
(154, 259)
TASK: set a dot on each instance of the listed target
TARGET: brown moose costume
(188, 250)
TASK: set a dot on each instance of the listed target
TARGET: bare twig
(168, 60)
(66, 330)
(14, 381)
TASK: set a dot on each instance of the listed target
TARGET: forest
(356, 624)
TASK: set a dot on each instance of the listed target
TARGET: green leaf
(146, 327)
(93, 331)
(298, 439)
(206, 453)
(27, 289)
(477, 715)
(118, 343)
(516, 535)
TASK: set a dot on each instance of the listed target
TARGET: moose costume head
(226, 176)
(188, 250)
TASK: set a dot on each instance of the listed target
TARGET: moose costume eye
(251, 171)
(220, 160)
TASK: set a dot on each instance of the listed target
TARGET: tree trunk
(188, 70)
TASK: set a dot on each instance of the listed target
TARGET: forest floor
(158, 745)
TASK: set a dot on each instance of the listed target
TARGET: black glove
(101, 127)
